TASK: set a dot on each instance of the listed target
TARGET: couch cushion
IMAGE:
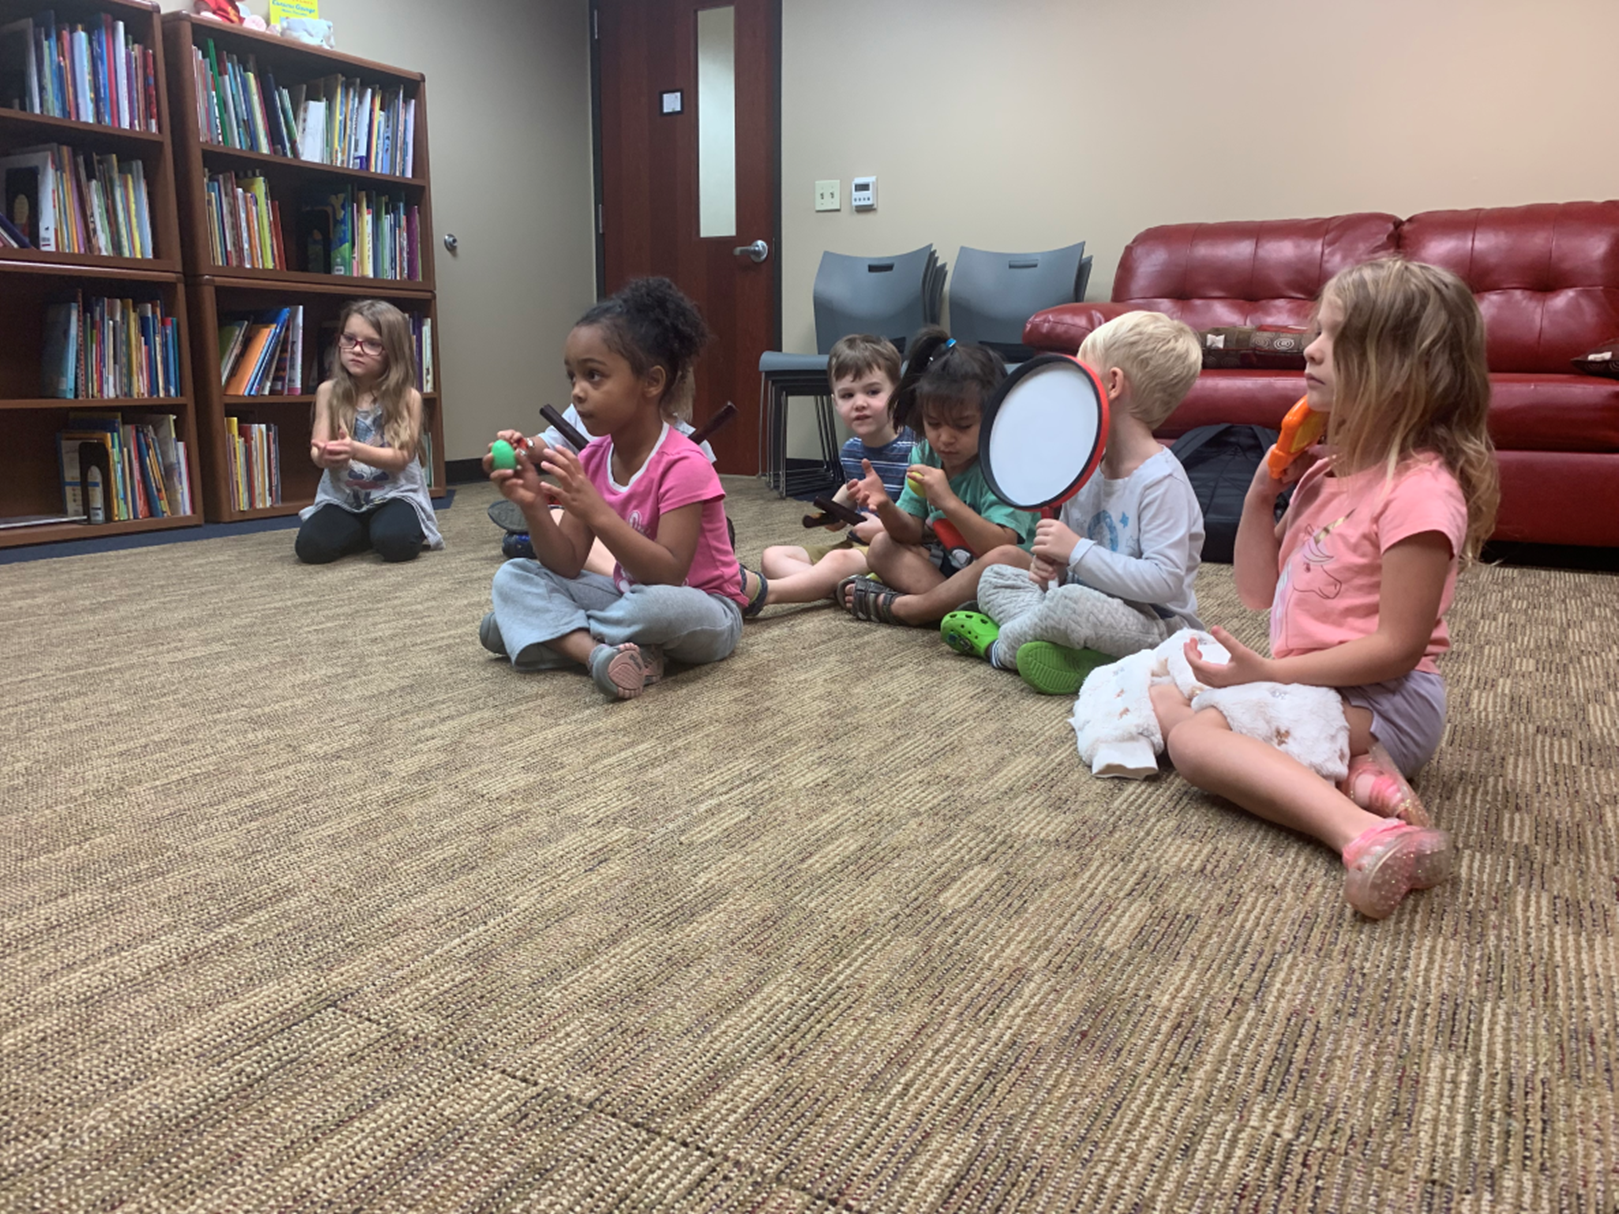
(1554, 412)
(1062, 328)
(1550, 497)
(1214, 275)
(1263, 260)
(1546, 276)
(1257, 398)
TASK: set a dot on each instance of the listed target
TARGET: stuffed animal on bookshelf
(230, 12)
(310, 30)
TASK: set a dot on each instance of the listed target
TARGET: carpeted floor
(308, 904)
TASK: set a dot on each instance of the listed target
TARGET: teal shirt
(974, 492)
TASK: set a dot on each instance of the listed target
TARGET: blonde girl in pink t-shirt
(644, 489)
(1358, 574)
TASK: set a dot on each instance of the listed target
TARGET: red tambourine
(1043, 432)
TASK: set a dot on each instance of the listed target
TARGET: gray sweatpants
(1072, 615)
(534, 605)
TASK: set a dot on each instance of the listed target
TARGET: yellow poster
(281, 10)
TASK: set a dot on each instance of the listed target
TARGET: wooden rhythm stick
(832, 512)
(714, 424)
(575, 440)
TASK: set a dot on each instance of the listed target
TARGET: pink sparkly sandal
(1375, 784)
(1391, 859)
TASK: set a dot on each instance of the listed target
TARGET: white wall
(509, 129)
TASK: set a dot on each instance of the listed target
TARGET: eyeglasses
(363, 344)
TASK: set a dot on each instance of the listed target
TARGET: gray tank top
(360, 487)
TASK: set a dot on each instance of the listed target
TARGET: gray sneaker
(624, 672)
(507, 516)
(489, 635)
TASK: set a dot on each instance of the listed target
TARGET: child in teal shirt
(946, 512)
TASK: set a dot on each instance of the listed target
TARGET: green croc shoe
(1056, 670)
(969, 633)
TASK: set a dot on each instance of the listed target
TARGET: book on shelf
(141, 462)
(98, 74)
(66, 202)
(421, 333)
(261, 360)
(11, 236)
(361, 233)
(253, 451)
(244, 223)
(334, 120)
(105, 348)
(106, 429)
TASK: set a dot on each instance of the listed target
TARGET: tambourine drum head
(1045, 431)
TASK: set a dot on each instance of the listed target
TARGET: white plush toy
(307, 29)
(1118, 732)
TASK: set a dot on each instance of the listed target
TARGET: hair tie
(947, 345)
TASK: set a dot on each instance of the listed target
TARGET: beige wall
(509, 129)
(1029, 124)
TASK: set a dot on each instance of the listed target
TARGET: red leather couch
(1546, 278)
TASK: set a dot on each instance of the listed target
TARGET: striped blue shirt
(889, 462)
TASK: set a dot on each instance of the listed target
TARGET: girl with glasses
(367, 442)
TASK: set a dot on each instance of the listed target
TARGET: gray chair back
(881, 295)
(992, 295)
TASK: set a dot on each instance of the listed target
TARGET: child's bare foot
(1389, 861)
(623, 672)
(1375, 784)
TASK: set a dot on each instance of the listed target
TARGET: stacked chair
(889, 296)
(993, 294)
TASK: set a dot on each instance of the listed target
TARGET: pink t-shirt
(676, 474)
(1332, 552)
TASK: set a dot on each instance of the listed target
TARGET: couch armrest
(1062, 328)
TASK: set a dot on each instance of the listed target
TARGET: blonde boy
(864, 371)
(1114, 573)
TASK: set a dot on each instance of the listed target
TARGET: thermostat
(863, 193)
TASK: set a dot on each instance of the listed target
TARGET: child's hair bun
(663, 320)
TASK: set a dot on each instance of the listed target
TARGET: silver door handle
(757, 251)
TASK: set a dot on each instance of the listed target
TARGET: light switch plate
(863, 194)
(826, 195)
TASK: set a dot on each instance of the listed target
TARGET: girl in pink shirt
(644, 489)
(1359, 573)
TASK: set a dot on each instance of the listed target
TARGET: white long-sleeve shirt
(1141, 538)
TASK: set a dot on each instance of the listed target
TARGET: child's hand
(1245, 666)
(1269, 486)
(868, 491)
(521, 485)
(336, 453)
(573, 490)
(1043, 572)
(1054, 541)
(930, 483)
(867, 529)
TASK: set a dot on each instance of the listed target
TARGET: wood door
(651, 214)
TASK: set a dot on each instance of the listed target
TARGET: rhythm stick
(713, 425)
(832, 512)
(575, 440)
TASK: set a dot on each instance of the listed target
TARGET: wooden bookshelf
(219, 292)
(33, 279)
